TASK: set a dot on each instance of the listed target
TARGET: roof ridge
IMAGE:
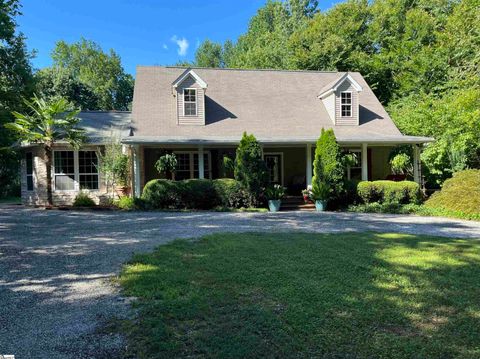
(245, 70)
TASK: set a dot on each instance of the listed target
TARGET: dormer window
(190, 102)
(346, 102)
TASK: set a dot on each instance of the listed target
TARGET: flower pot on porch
(320, 205)
(274, 205)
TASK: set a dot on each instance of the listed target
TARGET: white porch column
(364, 162)
(136, 171)
(416, 164)
(201, 164)
(309, 165)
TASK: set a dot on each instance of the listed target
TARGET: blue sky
(142, 32)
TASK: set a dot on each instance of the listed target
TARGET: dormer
(189, 91)
(340, 98)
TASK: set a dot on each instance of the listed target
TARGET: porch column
(364, 162)
(309, 165)
(416, 164)
(136, 171)
(201, 165)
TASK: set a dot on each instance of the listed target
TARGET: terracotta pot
(122, 191)
(306, 198)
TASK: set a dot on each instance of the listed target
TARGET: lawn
(10, 200)
(306, 295)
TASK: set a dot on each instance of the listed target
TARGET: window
(346, 103)
(88, 171)
(75, 170)
(64, 170)
(354, 169)
(190, 102)
(183, 166)
(29, 163)
(187, 165)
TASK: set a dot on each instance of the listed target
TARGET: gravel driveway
(56, 296)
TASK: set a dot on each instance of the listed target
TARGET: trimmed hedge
(195, 194)
(461, 193)
(402, 192)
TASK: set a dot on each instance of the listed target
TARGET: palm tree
(48, 122)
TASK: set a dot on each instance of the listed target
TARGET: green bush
(129, 203)
(232, 194)
(327, 181)
(198, 194)
(195, 194)
(161, 193)
(83, 200)
(402, 192)
(250, 169)
(460, 193)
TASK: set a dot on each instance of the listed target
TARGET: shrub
(232, 194)
(129, 203)
(160, 193)
(402, 192)
(459, 193)
(195, 194)
(83, 200)
(327, 166)
(198, 194)
(250, 169)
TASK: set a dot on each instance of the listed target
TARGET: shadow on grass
(306, 295)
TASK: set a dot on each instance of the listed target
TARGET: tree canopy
(421, 58)
(86, 76)
(16, 82)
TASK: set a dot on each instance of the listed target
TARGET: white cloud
(182, 44)
(165, 47)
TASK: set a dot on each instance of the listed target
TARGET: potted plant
(274, 196)
(306, 195)
(320, 194)
(121, 170)
(167, 164)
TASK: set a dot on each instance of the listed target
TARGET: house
(200, 115)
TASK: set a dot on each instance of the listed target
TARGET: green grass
(421, 210)
(306, 296)
(10, 200)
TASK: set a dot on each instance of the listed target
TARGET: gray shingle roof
(103, 125)
(271, 104)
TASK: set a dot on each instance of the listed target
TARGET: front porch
(290, 165)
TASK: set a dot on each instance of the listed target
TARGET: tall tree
(16, 81)
(93, 71)
(209, 54)
(46, 123)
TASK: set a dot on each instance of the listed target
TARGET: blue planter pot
(274, 205)
(320, 205)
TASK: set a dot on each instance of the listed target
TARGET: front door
(274, 168)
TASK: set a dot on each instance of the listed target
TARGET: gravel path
(55, 266)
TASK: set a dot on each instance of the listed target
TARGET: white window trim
(282, 169)
(33, 171)
(76, 169)
(196, 102)
(207, 174)
(359, 152)
(350, 104)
